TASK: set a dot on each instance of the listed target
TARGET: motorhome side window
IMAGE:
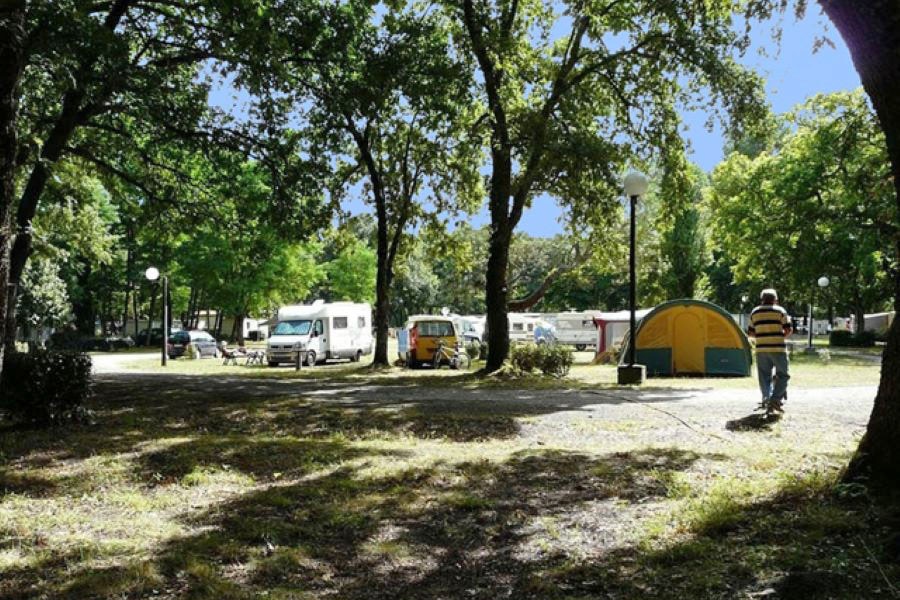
(361, 322)
(518, 327)
(339, 323)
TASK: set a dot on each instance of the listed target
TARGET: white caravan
(522, 327)
(576, 328)
(324, 331)
(470, 327)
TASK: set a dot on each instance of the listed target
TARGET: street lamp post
(744, 323)
(152, 274)
(635, 185)
(810, 349)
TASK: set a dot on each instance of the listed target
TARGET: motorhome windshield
(292, 328)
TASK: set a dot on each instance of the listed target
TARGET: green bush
(843, 338)
(550, 359)
(865, 339)
(525, 357)
(840, 338)
(556, 360)
(473, 349)
(45, 387)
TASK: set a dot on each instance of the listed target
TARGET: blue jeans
(773, 387)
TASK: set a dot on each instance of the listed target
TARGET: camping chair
(255, 357)
(231, 357)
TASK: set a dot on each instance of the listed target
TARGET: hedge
(45, 387)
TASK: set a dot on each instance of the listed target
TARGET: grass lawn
(200, 483)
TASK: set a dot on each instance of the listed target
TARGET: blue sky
(793, 73)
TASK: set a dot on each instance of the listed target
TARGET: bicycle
(454, 357)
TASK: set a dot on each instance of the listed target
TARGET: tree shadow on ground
(536, 526)
(540, 525)
(264, 460)
(811, 540)
(475, 529)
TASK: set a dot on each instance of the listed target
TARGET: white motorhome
(324, 331)
(576, 328)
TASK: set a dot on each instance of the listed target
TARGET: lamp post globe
(824, 281)
(635, 184)
(152, 273)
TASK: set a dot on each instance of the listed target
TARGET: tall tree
(117, 69)
(555, 99)
(381, 96)
(12, 62)
(826, 178)
(871, 31)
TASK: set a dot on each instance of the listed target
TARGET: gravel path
(571, 418)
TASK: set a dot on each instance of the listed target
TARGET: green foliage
(473, 349)
(240, 259)
(45, 387)
(817, 202)
(525, 358)
(351, 275)
(45, 299)
(555, 359)
(550, 359)
(683, 243)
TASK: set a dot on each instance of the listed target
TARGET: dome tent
(690, 337)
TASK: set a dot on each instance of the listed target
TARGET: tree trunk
(12, 60)
(382, 297)
(168, 301)
(234, 330)
(496, 292)
(871, 31)
(239, 324)
(860, 313)
(150, 314)
(198, 307)
(135, 304)
(129, 287)
(83, 309)
(384, 252)
(496, 298)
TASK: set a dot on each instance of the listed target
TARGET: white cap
(768, 292)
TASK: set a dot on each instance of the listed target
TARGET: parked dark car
(204, 344)
(155, 334)
(105, 344)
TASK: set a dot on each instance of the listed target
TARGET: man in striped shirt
(770, 325)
